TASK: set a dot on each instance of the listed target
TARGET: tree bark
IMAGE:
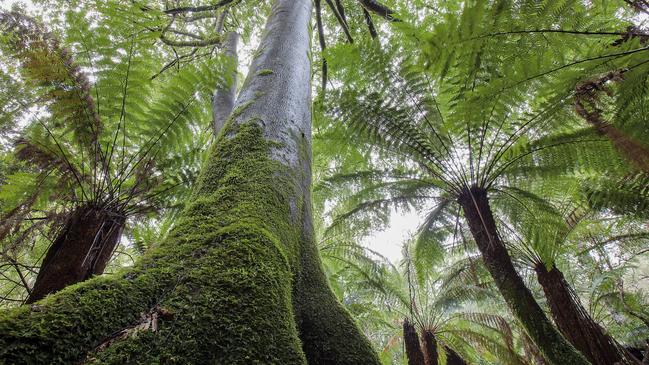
(575, 324)
(430, 348)
(413, 346)
(555, 348)
(82, 249)
(224, 287)
(225, 94)
(587, 106)
(452, 357)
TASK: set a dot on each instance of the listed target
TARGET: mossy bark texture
(238, 281)
(575, 323)
(558, 351)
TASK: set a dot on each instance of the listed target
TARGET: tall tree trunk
(555, 348)
(575, 324)
(82, 249)
(225, 94)
(224, 287)
(430, 347)
(453, 358)
(413, 346)
(587, 106)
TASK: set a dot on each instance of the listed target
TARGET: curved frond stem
(504, 167)
(574, 63)
(122, 117)
(66, 160)
(142, 153)
(483, 136)
(559, 31)
(512, 138)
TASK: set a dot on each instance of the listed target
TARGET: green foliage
(542, 103)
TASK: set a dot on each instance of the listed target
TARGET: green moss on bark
(238, 264)
(225, 274)
(328, 332)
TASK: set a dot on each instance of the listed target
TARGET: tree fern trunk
(453, 358)
(411, 342)
(430, 347)
(520, 300)
(575, 323)
(222, 288)
(82, 249)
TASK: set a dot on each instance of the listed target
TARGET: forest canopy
(237, 182)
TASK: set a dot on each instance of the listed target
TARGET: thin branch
(323, 44)
(196, 9)
(561, 31)
(370, 24)
(173, 63)
(341, 20)
(379, 9)
(213, 41)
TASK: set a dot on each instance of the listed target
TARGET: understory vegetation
(324, 182)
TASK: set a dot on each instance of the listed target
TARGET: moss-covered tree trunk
(414, 353)
(476, 208)
(82, 249)
(238, 281)
(576, 325)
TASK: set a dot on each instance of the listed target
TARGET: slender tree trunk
(225, 94)
(520, 300)
(430, 347)
(587, 106)
(453, 358)
(224, 287)
(575, 324)
(413, 347)
(82, 249)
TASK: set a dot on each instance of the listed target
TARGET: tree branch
(195, 9)
(341, 20)
(370, 24)
(379, 9)
(323, 44)
(214, 41)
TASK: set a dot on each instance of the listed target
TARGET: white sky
(390, 242)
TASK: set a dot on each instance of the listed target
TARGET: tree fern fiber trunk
(430, 347)
(238, 280)
(82, 249)
(518, 297)
(575, 324)
(453, 358)
(414, 354)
